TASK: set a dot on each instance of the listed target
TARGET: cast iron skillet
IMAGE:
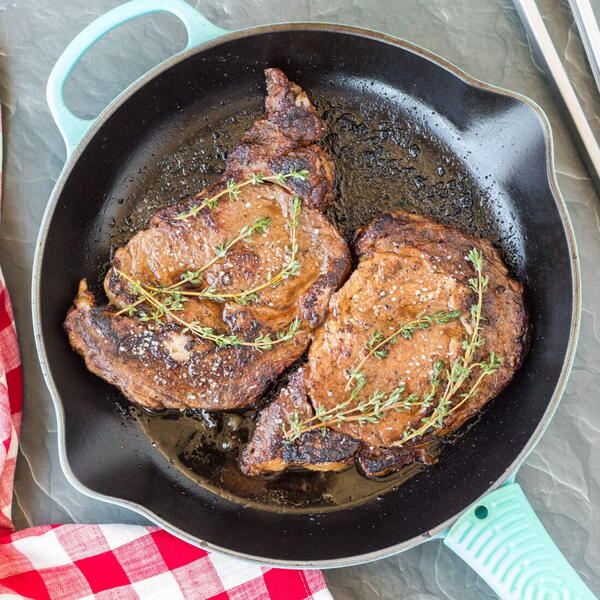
(504, 188)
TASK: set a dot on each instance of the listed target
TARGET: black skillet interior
(404, 132)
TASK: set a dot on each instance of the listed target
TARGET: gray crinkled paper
(483, 37)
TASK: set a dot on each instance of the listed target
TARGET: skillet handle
(505, 542)
(74, 128)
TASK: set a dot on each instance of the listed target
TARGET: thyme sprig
(462, 368)
(370, 410)
(260, 226)
(166, 301)
(233, 189)
(168, 309)
(373, 409)
(290, 268)
(376, 344)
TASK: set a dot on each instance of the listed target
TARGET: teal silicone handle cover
(503, 540)
(74, 128)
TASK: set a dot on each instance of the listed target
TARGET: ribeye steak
(232, 239)
(410, 267)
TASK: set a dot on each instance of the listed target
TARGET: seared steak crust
(158, 365)
(269, 452)
(378, 462)
(284, 139)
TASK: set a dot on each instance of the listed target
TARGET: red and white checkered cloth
(113, 562)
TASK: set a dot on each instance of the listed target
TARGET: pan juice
(206, 447)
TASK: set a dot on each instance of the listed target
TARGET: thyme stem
(233, 190)
(462, 368)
